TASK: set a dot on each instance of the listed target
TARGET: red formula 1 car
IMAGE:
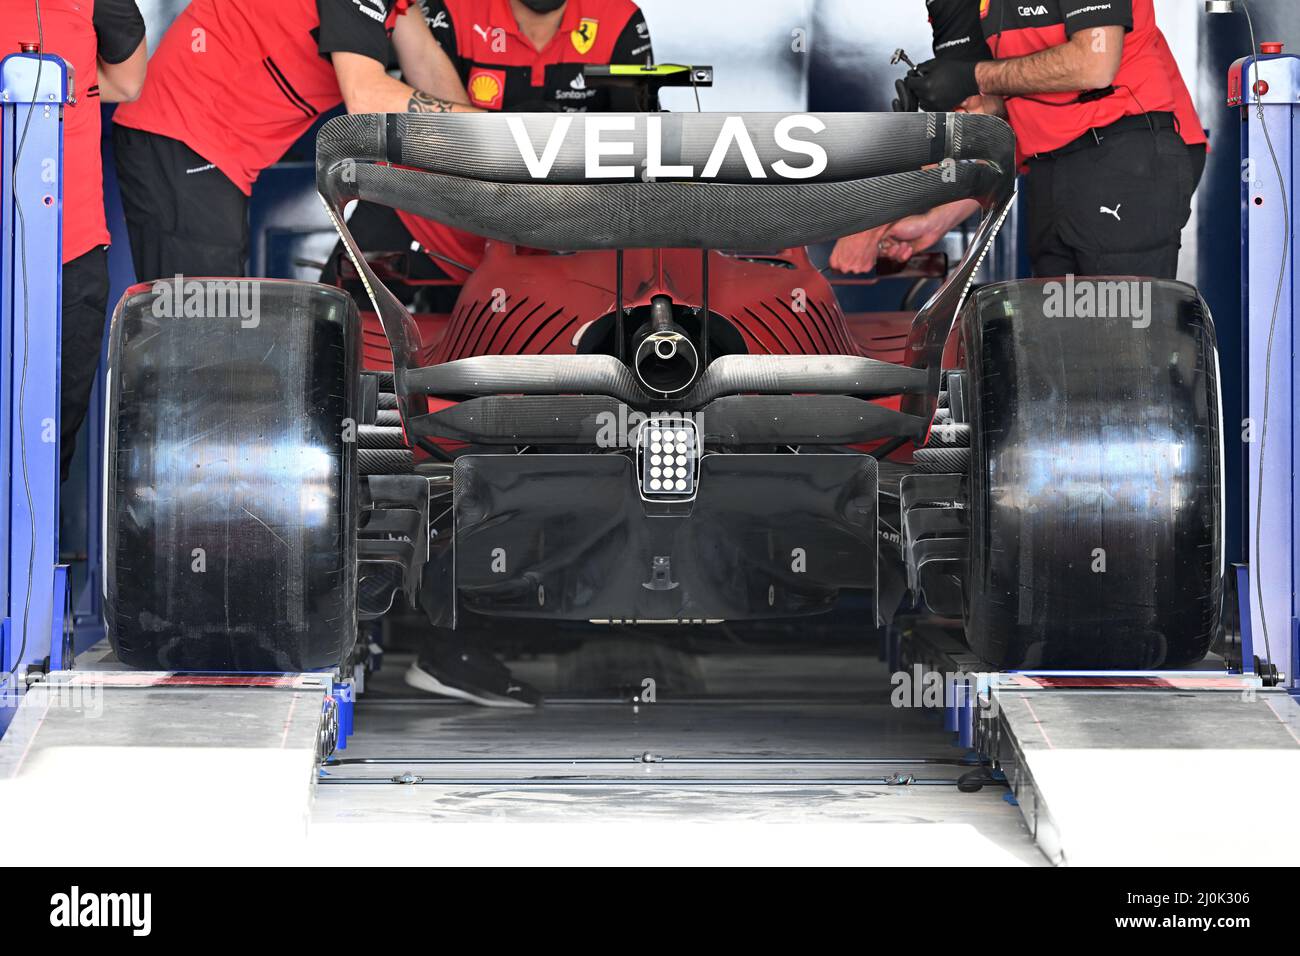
(648, 405)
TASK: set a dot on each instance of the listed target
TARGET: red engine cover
(525, 303)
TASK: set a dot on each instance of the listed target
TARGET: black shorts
(1114, 208)
(183, 216)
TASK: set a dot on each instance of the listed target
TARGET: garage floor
(740, 734)
(751, 744)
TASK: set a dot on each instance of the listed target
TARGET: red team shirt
(69, 29)
(1148, 80)
(238, 81)
(502, 70)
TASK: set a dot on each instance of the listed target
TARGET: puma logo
(1112, 212)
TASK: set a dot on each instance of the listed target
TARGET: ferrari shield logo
(984, 9)
(584, 36)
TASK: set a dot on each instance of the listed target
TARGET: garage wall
(158, 16)
(1182, 21)
(783, 55)
(751, 44)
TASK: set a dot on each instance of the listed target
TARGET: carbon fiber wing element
(751, 181)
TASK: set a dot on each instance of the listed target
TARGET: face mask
(543, 6)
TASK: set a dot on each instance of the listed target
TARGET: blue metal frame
(344, 693)
(33, 90)
(1277, 564)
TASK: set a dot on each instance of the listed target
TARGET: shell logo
(485, 89)
(984, 8)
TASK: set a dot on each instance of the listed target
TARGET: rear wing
(752, 181)
(755, 181)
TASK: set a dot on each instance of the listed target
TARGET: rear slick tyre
(230, 500)
(1095, 481)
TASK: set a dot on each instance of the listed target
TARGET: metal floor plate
(161, 754)
(1133, 775)
(722, 761)
(1128, 774)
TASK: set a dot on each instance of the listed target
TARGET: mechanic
(232, 86)
(516, 56)
(1106, 130)
(104, 43)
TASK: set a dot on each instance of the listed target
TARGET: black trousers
(183, 216)
(85, 304)
(1114, 208)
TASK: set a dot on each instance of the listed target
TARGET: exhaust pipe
(666, 360)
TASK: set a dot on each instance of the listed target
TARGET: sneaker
(475, 677)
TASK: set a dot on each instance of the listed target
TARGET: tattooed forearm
(422, 102)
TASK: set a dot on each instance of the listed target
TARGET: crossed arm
(1089, 60)
(367, 87)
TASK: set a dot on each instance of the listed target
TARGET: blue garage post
(33, 90)
(1269, 83)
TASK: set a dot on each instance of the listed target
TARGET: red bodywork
(524, 302)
